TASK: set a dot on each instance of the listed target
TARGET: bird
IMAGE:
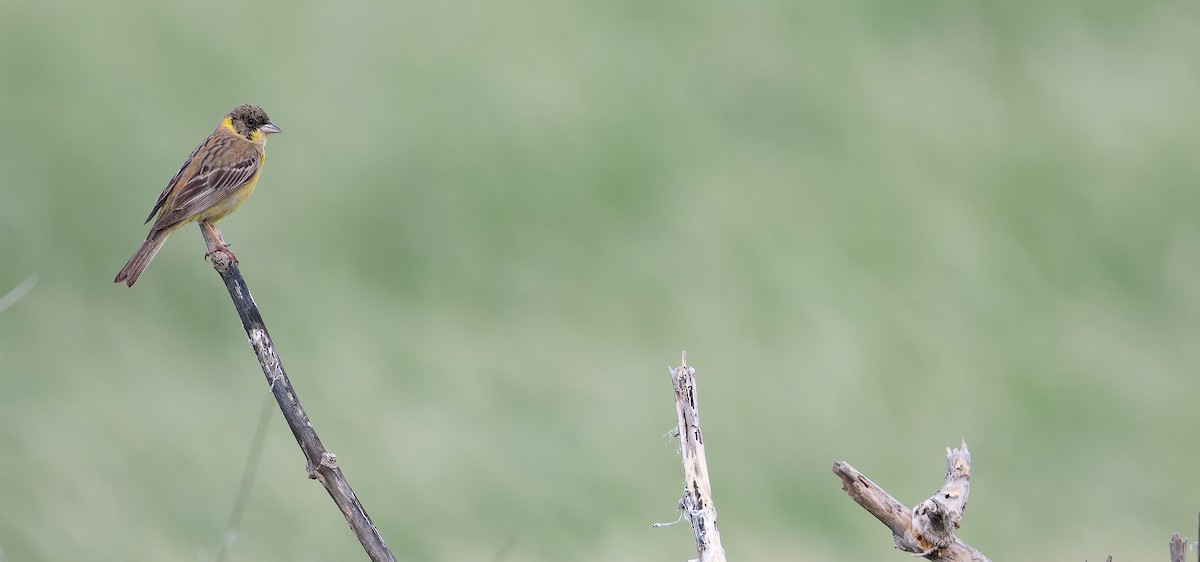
(214, 181)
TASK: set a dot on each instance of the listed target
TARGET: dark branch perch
(322, 464)
(697, 503)
(929, 531)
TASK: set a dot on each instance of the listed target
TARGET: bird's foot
(220, 249)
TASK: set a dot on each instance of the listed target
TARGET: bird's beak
(271, 128)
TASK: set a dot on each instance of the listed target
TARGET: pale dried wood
(1178, 548)
(935, 519)
(697, 503)
(929, 532)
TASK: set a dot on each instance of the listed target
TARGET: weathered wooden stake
(697, 503)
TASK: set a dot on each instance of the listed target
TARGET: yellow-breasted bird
(213, 182)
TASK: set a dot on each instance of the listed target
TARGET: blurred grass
(488, 228)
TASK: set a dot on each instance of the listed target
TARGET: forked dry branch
(927, 531)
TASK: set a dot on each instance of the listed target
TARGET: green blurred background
(488, 228)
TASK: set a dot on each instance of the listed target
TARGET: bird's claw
(221, 249)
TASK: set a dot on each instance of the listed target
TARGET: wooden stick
(936, 518)
(322, 464)
(929, 532)
(1178, 548)
(697, 503)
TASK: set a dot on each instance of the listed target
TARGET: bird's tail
(141, 258)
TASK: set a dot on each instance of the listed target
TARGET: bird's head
(251, 121)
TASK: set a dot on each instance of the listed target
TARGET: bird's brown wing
(214, 172)
(166, 192)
